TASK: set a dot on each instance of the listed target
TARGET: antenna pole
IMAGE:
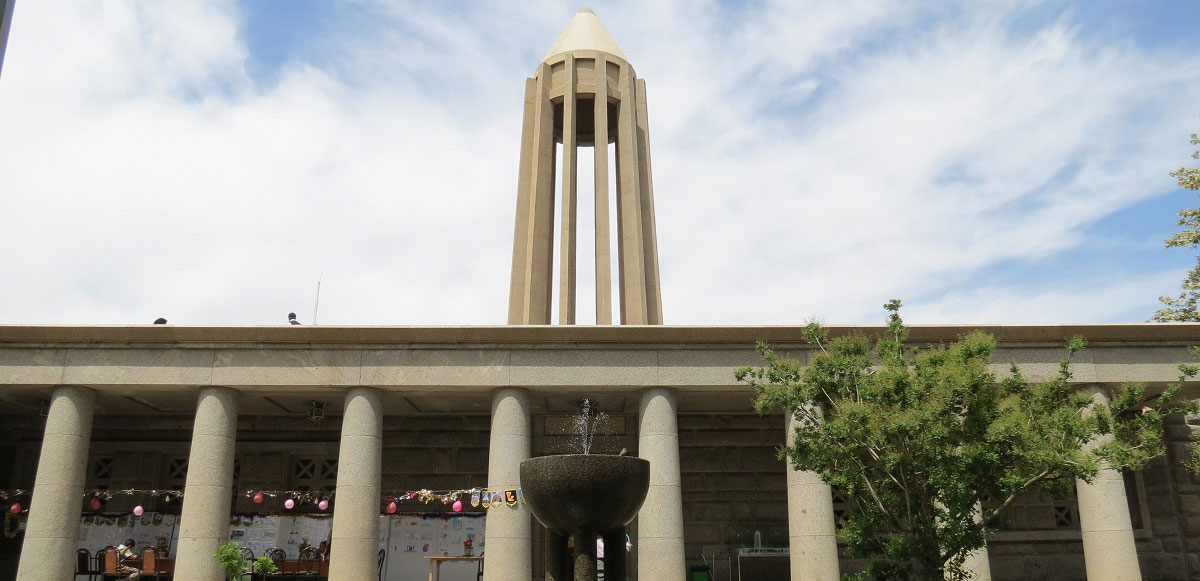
(317, 301)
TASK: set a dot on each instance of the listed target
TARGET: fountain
(584, 496)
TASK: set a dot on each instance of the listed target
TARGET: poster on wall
(413, 538)
(152, 529)
(297, 533)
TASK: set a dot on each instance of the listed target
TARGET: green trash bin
(699, 573)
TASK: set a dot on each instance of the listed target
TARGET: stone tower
(585, 67)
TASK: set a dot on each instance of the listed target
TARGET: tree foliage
(917, 439)
(1185, 307)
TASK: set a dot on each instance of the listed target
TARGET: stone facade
(732, 482)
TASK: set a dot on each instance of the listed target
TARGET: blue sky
(208, 161)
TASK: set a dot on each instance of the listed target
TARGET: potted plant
(232, 561)
(264, 566)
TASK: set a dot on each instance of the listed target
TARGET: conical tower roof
(586, 32)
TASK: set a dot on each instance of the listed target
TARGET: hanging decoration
(138, 510)
(323, 504)
(15, 508)
(289, 504)
(298, 496)
(97, 497)
(391, 507)
(7, 494)
(457, 506)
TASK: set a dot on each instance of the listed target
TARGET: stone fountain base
(585, 496)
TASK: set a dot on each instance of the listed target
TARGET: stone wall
(733, 485)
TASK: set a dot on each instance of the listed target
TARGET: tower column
(354, 544)
(566, 275)
(603, 258)
(533, 248)
(649, 228)
(1109, 551)
(52, 530)
(204, 523)
(660, 522)
(812, 530)
(508, 528)
(630, 249)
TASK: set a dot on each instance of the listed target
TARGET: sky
(211, 161)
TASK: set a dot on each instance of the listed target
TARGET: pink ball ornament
(457, 506)
(138, 510)
(289, 504)
(391, 507)
(323, 504)
(258, 498)
(95, 503)
(15, 508)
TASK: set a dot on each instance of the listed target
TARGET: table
(435, 564)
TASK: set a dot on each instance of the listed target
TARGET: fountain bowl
(573, 492)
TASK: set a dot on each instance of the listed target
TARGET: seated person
(124, 567)
(323, 550)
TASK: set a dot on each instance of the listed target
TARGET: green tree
(917, 439)
(1185, 307)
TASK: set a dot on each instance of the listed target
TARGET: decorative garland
(453, 498)
(477, 497)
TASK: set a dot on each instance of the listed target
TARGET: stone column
(660, 522)
(812, 530)
(507, 555)
(977, 563)
(354, 545)
(1109, 551)
(204, 522)
(53, 527)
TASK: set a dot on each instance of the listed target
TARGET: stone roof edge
(1165, 333)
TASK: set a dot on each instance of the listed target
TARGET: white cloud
(813, 159)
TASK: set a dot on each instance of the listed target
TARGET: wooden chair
(151, 566)
(248, 555)
(110, 563)
(98, 562)
(310, 561)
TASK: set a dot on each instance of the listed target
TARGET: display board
(407, 538)
(152, 529)
(412, 538)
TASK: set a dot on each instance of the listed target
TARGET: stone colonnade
(55, 509)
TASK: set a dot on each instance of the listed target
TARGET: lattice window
(1040, 512)
(313, 473)
(177, 469)
(304, 468)
(102, 468)
(1064, 516)
(329, 469)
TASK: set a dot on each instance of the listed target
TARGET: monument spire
(585, 67)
